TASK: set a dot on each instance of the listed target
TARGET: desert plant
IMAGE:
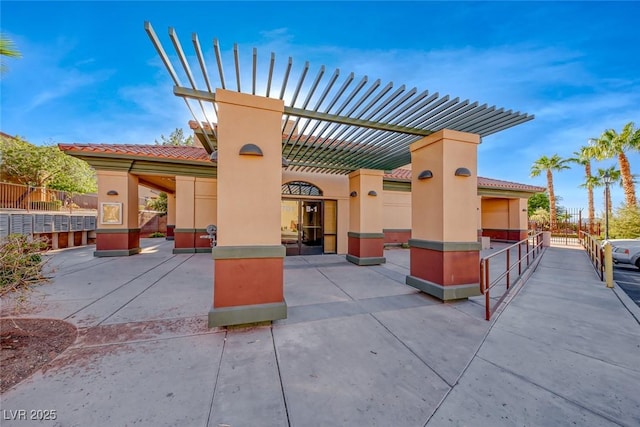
(625, 223)
(21, 263)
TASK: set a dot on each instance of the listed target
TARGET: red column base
(505, 234)
(190, 241)
(446, 270)
(366, 248)
(248, 285)
(117, 242)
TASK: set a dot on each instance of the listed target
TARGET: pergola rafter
(338, 125)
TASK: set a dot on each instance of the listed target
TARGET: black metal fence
(569, 224)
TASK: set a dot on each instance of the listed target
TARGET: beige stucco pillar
(184, 233)
(171, 215)
(205, 213)
(518, 219)
(366, 239)
(444, 245)
(248, 260)
(118, 232)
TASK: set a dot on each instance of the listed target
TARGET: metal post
(487, 299)
(508, 267)
(608, 264)
(607, 180)
(606, 211)
(520, 259)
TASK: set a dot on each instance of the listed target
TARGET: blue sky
(90, 74)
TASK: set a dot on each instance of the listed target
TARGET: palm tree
(583, 157)
(612, 144)
(8, 49)
(548, 165)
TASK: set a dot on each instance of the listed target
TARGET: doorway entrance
(301, 227)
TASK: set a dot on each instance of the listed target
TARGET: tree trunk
(627, 181)
(592, 210)
(552, 202)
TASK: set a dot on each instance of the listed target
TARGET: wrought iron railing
(522, 253)
(27, 198)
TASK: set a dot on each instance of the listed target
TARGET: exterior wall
(123, 238)
(396, 216)
(504, 219)
(334, 187)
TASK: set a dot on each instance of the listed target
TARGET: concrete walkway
(359, 348)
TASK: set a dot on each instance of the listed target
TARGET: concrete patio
(358, 348)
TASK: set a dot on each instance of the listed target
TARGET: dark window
(300, 188)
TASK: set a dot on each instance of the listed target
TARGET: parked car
(626, 251)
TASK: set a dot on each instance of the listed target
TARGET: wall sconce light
(426, 174)
(112, 193)
(463, 172)
(353, 194)
(213, 157)
(250, 150)
(524, 210)
(285, 162)
(372, 193)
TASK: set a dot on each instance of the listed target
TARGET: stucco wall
(397, 210)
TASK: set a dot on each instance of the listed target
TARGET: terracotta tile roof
(199, 154)
(401, 174)
(151, 151)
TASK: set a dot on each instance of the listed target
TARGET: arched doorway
(308, 225)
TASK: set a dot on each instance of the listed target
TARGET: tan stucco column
(366, 239)
(171, 215)
(444, 245)
(184, 233)
(249, 259)
(518, 219)
(118, 231)
(205, 211)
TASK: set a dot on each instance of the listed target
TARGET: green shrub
(21, 263)
(625, 223)
(156, 234)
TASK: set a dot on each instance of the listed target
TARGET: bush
(156, 234)
(625, 223)
(21, 263)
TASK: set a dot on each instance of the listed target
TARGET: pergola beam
(310, 114)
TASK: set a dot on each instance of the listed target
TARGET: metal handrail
(533, 244)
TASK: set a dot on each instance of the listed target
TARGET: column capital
(446, 135)
(368, 172)
(246, 100)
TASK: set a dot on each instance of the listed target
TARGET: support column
(205, 212)
(184, 234)
(118, 232)
(366, 238)
(249, 258)
(445, 251)
(171, 215)
(518, 220)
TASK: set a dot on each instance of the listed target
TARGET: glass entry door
(301, 227)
